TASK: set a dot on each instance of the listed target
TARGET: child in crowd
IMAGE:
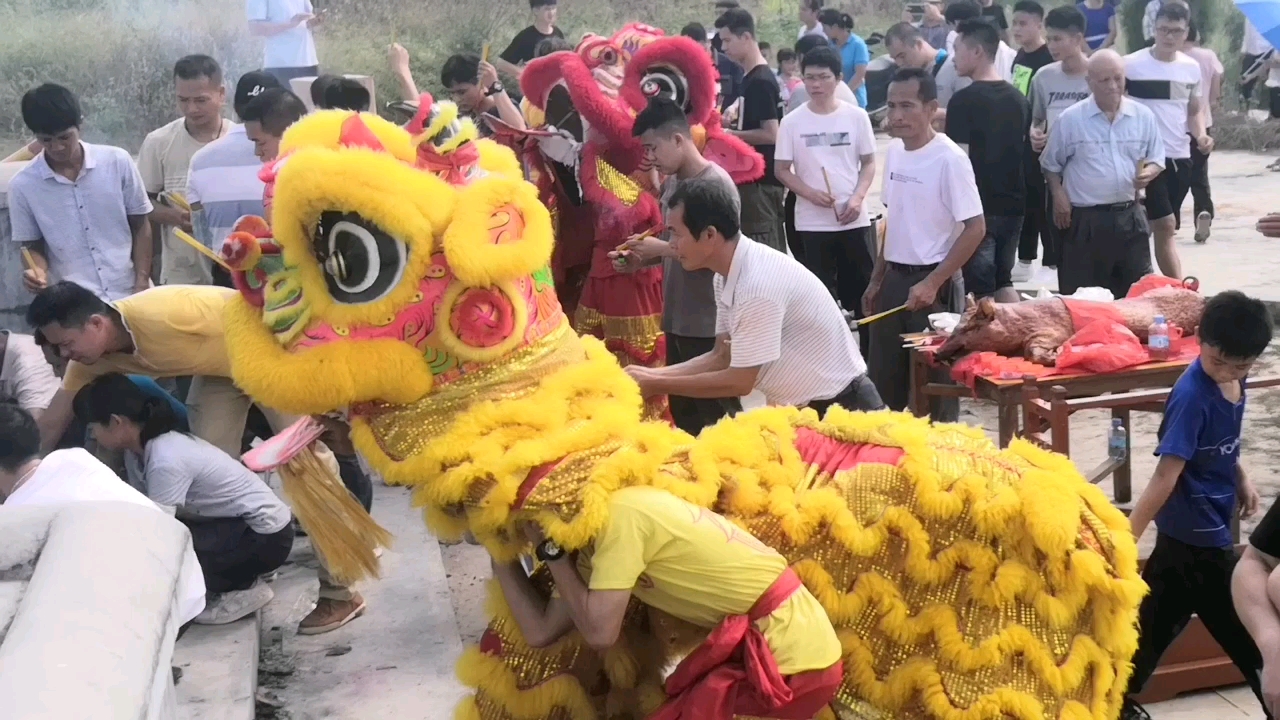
(239, 528)
(767, 51)
(788, 73)
(1197, 487)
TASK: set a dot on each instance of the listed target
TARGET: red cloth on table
(733, 672)
(1084, 312)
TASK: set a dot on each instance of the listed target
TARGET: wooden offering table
(1008, 393)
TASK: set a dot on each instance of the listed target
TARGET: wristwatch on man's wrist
(494, 89)
(548, 550)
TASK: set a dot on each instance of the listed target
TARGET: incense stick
(484, 53)
(879, 315)
(827, 179)
(186, 238)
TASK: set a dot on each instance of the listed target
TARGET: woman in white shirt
(240, 529)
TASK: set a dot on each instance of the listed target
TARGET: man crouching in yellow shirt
(772, 651)
(171, 331)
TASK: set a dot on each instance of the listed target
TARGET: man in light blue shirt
(285, 26)
(223, 184)
(79, 209)
(1100, 154)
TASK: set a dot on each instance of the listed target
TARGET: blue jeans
(991, 266)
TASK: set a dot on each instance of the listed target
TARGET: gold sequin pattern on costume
(870, 491)
(621, 186)
(405, 430)
(640, 332)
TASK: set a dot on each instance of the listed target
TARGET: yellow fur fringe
(475, 255)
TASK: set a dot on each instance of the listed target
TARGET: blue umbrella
(1265, 16)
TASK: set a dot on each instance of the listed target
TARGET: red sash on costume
(733, 672)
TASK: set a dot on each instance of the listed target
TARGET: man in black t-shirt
(990, 119)
(755, 121)
(730, 71)
(524, 45)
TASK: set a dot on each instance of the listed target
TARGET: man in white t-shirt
(778, 330)
(826, 155)
(934, 224)
(285, 26)
(25, 375)
(1168, 82)
(73, 476)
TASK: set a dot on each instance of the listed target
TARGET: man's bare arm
(1156, 493)
(262, 28)
(53, 422)
(975, 228)
(140, 225)
(598, 614)
(766, 134)
(717, 359)
(728, 382)
(508, 69)
(542, 622)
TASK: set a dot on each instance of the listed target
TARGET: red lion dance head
(597, 90)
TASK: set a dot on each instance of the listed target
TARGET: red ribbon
(733, 672)
(452, 167)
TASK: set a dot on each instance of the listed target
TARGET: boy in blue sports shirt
(1197, 486)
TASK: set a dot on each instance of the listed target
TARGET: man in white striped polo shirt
(223, 183)
(778, 329)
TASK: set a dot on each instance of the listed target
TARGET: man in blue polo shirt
(1193, 495)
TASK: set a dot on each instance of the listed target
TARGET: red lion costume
(599, 191)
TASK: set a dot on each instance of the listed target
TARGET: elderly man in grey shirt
(688, 297)
(1102, 151)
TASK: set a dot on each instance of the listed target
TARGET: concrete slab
(1203, 706)
(394, 662)
(219, 670)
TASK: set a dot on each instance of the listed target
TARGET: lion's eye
(361, 262)
(668, 83)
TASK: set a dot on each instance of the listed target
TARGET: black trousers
(789, 226)
(843, 261)
(1167, 192)
(232, 555)
(861, 394)
(1201, 200)
(354, 477)
(890, 363)
(693, 414)
(1107, 246)
(1036, 225)
(1186, 579)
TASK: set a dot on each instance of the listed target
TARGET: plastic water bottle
(1158, 339)
(1117, 440)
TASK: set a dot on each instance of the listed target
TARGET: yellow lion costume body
(405, 279)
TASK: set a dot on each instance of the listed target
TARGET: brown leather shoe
(331, 615)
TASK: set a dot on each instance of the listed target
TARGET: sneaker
(1204, 221)
(229, 607)
(1022, 271)
(1131, 710)
(331, 614)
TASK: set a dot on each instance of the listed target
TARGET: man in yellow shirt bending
(172, 331)
(697, 566)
